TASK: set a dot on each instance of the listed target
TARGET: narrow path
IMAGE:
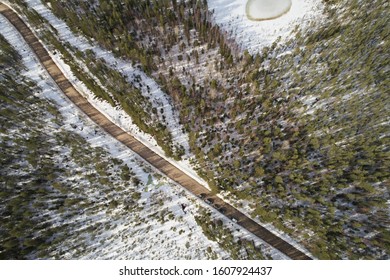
(155, 160)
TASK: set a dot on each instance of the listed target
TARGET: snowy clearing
(231, 16)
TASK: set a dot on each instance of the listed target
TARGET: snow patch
(253, 36)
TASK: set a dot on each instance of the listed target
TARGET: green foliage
(216, 231)
(330, 154)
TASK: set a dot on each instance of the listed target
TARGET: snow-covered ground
(127, 238)
(231, 16)
(157, 97)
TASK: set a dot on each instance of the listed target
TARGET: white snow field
(267, 9)
(179, 237)
(253, 36)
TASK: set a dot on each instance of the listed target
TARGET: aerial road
(172, 172)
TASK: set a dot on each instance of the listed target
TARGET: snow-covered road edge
(244, 209)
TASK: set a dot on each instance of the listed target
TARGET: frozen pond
(267, 9)
(254, 35)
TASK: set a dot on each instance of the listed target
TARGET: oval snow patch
(266, 9)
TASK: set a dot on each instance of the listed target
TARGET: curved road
(155, 160)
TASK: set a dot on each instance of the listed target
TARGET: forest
(64, 194)
(299, 131)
